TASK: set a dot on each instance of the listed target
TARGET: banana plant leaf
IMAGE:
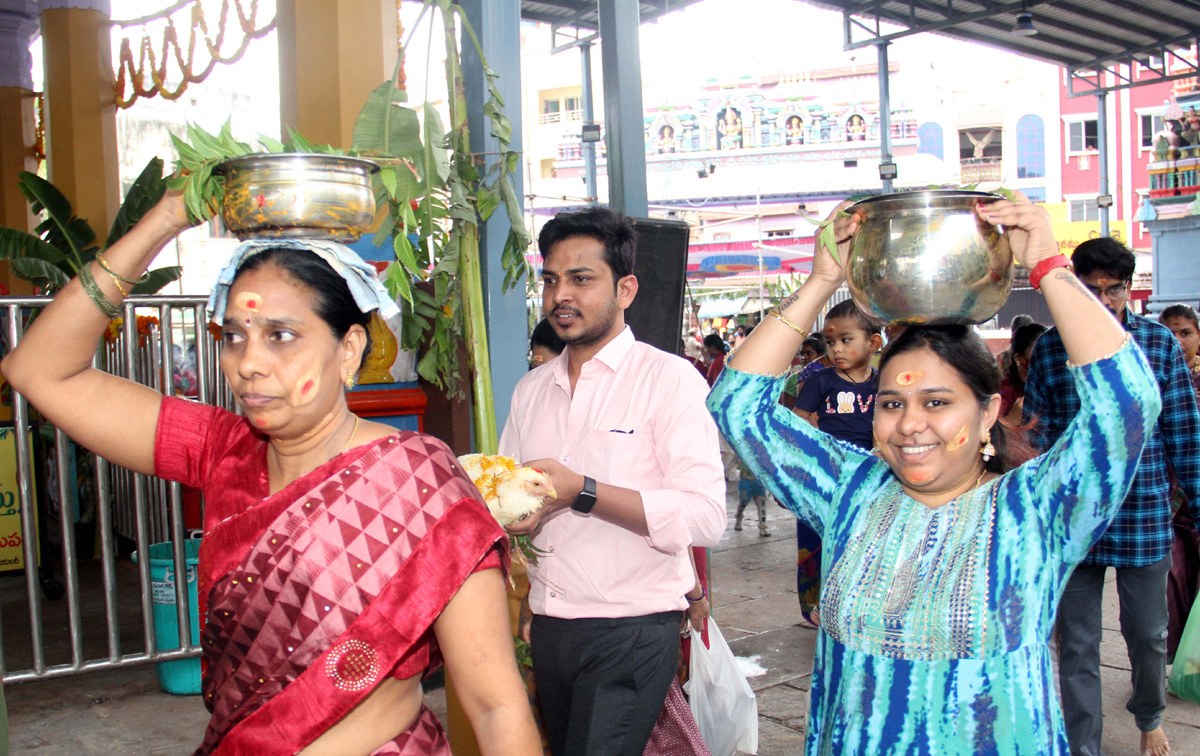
(32, 258)
(61, 228)
(145, 192)
(156, 279)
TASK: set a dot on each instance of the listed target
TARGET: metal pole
(142, 526)
(589, 114)
(28, 503)
(1102, 139)
(762, 284)
(885, 112)
(625, 128)
(70, 569)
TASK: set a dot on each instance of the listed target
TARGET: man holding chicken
(621, 430)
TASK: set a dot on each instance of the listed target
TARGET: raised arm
(52, 366)
(1089, 330)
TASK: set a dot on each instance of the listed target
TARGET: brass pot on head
(927, 258)
(298, 195)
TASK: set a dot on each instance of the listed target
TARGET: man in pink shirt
(620, 428)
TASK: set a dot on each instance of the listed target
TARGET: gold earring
(350, 383)
(988, 451)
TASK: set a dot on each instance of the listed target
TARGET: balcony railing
(561, 116)
(976, 170)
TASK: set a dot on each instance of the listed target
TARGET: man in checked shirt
(1138, 542)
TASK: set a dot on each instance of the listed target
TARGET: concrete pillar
(18, 23)
(81, 126)
(331, 55)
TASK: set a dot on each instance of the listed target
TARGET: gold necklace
(351, 436)
(977, 480)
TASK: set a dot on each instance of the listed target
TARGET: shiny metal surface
(926, 258)
(286, 195)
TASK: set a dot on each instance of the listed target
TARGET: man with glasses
(1138, 541)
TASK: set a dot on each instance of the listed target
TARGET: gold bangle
(107, 269)
(803, 333)
(120, 288)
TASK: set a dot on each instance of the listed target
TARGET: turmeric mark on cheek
(959, 441)
(306, 390)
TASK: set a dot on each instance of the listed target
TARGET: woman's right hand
(1030, 234)
(844, 226)
(171, 212)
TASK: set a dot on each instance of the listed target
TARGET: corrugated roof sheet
(1069, 32)
(582, 14)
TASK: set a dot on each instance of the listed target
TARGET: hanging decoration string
(150, 74)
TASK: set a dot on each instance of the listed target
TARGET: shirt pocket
(618, 459)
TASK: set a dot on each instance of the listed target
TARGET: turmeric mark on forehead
(249, 300)
(909, 377)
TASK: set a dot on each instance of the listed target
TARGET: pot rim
(223, 167)
(925, 197)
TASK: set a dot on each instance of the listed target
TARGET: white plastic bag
(722, 702)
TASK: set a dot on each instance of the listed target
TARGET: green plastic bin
(181, 677)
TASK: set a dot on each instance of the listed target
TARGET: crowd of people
(954, 518)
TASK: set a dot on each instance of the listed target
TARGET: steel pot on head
(927, 258)
(305, 195)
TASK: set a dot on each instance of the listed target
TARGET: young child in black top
(841, 402)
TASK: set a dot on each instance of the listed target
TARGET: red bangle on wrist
(1045, 266)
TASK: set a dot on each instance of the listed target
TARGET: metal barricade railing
(142, 509)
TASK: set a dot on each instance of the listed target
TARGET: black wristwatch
(587, 497)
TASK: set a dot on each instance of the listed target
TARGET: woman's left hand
(1030, 235)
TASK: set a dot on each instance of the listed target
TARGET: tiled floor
(755, 604)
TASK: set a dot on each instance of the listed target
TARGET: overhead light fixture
(1024, 26)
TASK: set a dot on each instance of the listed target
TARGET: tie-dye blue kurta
(935, 621)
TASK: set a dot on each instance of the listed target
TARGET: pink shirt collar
(611, 355)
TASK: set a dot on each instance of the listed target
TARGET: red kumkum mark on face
(909, 377)
(920, 477)
(959, 441)
(248, 300)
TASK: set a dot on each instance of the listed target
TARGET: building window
(550, 111)
(1083, 210)
(779, 233)
(1151, 125)
(1083, 136)
(982, 144)
(929, 140)
(1031, 147)
(1035, 194)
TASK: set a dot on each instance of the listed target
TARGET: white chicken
(511, 492)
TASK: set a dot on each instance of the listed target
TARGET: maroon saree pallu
(330, 586)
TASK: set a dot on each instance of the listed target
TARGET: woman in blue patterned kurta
(944, 565)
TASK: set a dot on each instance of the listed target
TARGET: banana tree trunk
(483, 408)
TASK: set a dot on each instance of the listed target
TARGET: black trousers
(601, 682)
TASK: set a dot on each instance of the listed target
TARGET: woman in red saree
(341, 561)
